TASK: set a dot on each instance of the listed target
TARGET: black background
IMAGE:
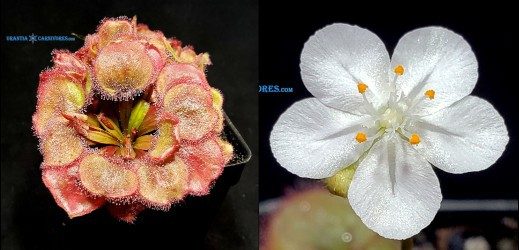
(30, 218)
(488, 28)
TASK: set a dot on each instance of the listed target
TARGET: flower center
(391, 119)
(117, 128)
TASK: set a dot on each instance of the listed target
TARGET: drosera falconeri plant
(377, 124)
(128, 121)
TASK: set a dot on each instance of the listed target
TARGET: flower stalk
(407, 244)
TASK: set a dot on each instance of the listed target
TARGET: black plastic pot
(183, 227)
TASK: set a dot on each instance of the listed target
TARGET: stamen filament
(399, 70)
(401, 133)
(412, 139)
(369, 104)
(362, 87)
(429, 94)
(363, 155)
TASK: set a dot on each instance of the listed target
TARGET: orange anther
(361, 137)
(362, 87)
(399, 70)
(414, 139)
(430, 94)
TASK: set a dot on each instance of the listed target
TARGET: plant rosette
(128, 121)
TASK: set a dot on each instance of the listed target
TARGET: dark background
(30, 218)
(488, 28)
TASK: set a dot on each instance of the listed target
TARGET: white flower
(394, 117)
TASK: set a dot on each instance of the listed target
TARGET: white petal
(395, 209)
(468, 136)
(315, 141)
(339, 56)
(438, 59)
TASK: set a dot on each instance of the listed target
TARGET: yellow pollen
(430, 94)
(361, 137)
(414, 139)
(362, 87)
(399, 70)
